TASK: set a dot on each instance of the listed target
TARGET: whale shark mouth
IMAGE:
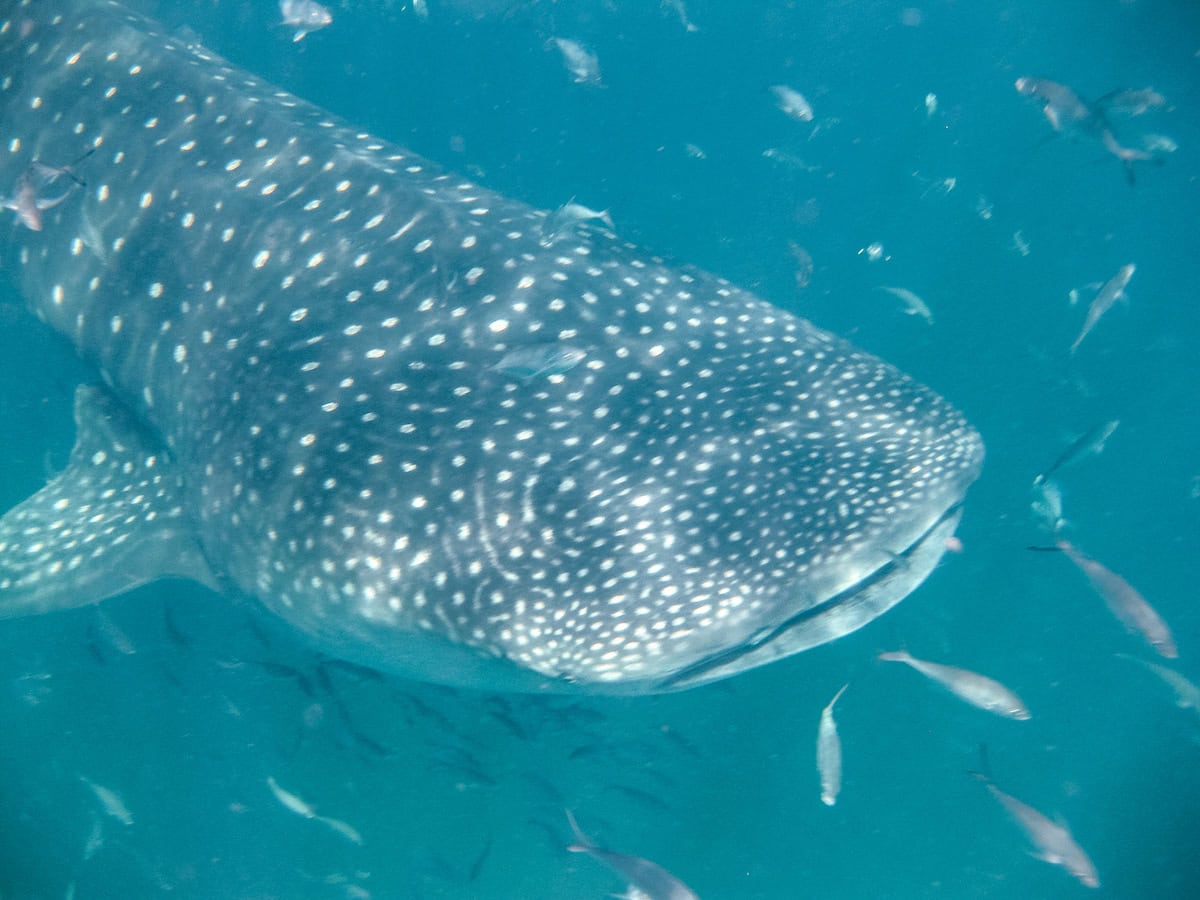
(836, 616)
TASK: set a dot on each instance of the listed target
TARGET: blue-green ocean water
(461, 795)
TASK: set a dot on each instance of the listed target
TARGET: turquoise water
(460, 795)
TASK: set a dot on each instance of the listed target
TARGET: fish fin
(111, 521)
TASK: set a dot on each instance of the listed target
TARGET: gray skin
(299, 334)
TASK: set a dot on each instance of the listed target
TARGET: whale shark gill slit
(332, 377)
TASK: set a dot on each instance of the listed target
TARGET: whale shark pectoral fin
(111, 521)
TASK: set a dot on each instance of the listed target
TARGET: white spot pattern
(322, 349)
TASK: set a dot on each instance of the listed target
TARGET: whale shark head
(367, 393)
(714, 485)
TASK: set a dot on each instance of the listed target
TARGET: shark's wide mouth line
(693, 673)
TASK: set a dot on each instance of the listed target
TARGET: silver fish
(792, 103)
(110, 801)
(1053, 842)
(1187, 694)
(1090, 443)
(1048, 504)
(1132, 102)
(305, 16)
(1124, 602)
(95, 838)
(913, 305)
(978, 690)
(680, 11)
(581, 62)
(645, 878)
(829, 753)
(1113, 290)
(1159, 143)
(39, 188)
(562, 222)
(540, 360)
(804, 264)
(301, 807)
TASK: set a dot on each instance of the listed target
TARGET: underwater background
(186, 702)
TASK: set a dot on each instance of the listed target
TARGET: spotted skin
(300, 329)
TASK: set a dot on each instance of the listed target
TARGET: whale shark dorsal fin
(111, 521)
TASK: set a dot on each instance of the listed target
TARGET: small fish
(113, 634)
(1123, 600)
(39, 188)
(1064, 109)
(913, 305)
(110, 801)
(677, 7)
(1158, 143)
(540, 360)
(291, 801)
(792, 103)
(304, 809)
(1020, 243)
(1113, 290)
(1048, 504)
(581, 62)
(804, 264)
(1187, 695)
(95, 838)
(563, 220)
(874, 252)
(789, 160)
(829, 753)
(1090, 443)
(305, 16)
(1070, 114)
(978, 690)
(1053, 842)
(35, 687)
(936, 186)
(1132, 102)
(645, 879)
(345, 829)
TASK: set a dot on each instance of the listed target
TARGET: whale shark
(313, 389)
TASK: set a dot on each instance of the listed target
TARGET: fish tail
(582, 842)
(984, 773)
(838, 695)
